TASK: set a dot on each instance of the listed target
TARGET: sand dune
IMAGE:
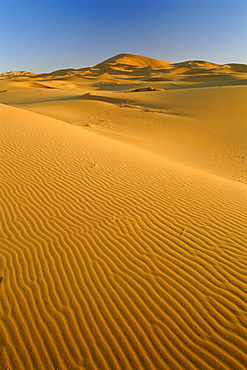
(129, 66)
(103, 265)
(123, 224)
(14, 74)
(200, 127)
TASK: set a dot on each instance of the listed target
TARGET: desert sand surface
(124, 211)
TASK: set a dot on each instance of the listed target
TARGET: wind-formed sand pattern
(124, 217)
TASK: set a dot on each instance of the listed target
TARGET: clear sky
(45, 35)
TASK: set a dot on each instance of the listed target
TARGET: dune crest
(132, 60)
(137, 67)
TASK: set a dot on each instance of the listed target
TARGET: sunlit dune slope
(115, 258)
(133, 60)
(204, 128)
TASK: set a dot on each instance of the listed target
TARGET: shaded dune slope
(115, 259)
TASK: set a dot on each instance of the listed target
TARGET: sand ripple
(114, 259)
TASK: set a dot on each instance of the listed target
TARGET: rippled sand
(124, 219)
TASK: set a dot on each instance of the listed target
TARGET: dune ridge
(139, 67)
(115, 258)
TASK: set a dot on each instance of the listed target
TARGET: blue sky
(42, 35)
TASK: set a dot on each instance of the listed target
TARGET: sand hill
(13, 74)
(124, 217)
(129, 66)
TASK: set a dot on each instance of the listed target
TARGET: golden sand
(124, 217)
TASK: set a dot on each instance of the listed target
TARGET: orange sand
(124, 217)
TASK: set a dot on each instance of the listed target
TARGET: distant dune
(11, 74)
(123, 216)
(137, 66)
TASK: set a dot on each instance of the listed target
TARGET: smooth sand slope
(123, 222)
(202, 128)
